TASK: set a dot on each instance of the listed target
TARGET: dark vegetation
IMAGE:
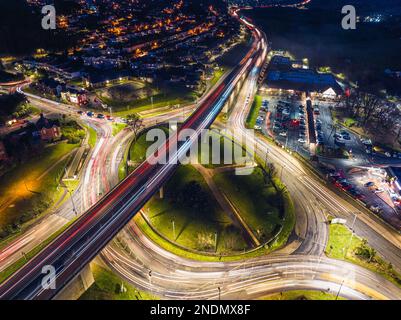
(15, 105)
(316, 33)
(21, 30)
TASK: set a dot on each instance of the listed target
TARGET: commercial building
(286, 74)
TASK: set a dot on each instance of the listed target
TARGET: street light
(173, 222)
(339, 290)
(72, 201)
(352, 235)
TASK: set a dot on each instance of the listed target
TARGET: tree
(12, 105)
(135, 123)
(370, 105)
(353, 103)
(269, 173)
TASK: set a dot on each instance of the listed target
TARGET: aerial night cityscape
(235, 151)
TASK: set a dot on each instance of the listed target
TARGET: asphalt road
(313, 200)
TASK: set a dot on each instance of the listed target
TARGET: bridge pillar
(77, 286)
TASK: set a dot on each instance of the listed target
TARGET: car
(337, 136)
(344, 133)
(378, 190)
(366, 142)
(257, 127)
(261, 118)
(345, 137)
(376, 208)
(333, 179)
(316, 111)
(346, 186)
(301, 140)
(387, 154)
(80, 112)
(100, 116)
(90, 114)
(334, 174)
(275, 128)
(369, 184)
(318, 121)
(283, 134)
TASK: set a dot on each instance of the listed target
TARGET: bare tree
(371, 106)
(135, 123)
(353, 103)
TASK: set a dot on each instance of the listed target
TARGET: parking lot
(356, 162)
(285, 123)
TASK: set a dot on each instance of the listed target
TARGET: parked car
(378, 190)
(277, 127)
(369, 184)
(301, 140)
(283, 133)
(346, 137)
(346, 186)
(376, 208)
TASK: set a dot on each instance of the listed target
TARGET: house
(78, 97)
(49, 129)
(50, 86)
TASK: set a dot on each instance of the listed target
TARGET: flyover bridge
(84, 239)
